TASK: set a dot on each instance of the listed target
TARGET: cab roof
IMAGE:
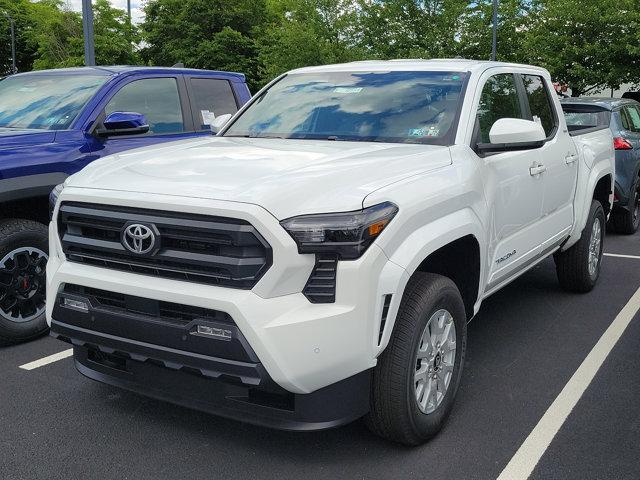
(108, 71)
(438, 64)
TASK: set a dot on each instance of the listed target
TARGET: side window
(633, 118)
(539, 102)
(213, 97)
(624, 119)
(156, 98)
(499, 99)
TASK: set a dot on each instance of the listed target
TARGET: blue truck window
(45, 102)
(156, 98)
(213, 97)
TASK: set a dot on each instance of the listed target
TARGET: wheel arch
(598, 185)
(454, 252)
(459, 261)
(602, 192)
(34, 208)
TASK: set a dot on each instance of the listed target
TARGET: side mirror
(509, 134)
(123, 123)
(219, 122)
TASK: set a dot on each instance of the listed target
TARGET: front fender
(421, 243)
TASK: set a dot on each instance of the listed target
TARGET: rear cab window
(210, 98)
(583, 118)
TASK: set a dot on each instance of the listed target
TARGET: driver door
(162, 100)
(514, 194)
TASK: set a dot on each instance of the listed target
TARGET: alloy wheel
(22, 284)
(595, 242)
(435, 360)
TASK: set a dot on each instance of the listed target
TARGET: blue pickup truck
(53, 123)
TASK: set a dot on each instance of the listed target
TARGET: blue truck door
(164, 102)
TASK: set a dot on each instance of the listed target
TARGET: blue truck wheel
(23, 261)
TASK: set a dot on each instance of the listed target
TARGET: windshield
(45, 102)
(400, 107)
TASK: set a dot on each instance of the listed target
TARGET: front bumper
(301, 347)
(175, 376)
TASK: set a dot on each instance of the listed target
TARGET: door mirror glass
(219, 122)
(123, 123)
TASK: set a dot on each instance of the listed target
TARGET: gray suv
(622, 115)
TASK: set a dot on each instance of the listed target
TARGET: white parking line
(47, 360)
(618, 255)
(530, 452)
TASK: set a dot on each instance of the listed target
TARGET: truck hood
(13, 138)
(286, 177)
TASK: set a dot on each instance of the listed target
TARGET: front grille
(321, 286)
(168, 312)
(195, 248)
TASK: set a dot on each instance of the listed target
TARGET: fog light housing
(213, 332)
(74, 304)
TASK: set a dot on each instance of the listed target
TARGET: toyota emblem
(139, 239)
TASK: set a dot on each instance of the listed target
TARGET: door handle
(569, 159)
(537, 170)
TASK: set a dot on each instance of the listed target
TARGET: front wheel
(23, 261)
(578, 268)
(417, 376)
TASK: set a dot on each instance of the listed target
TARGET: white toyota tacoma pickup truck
(318, 260)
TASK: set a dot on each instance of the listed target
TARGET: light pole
(13, 42)
(494, 46)
(87, 27)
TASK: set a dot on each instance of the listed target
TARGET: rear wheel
(23, 261)
(578, 268)
(627, 220)
(417, 376)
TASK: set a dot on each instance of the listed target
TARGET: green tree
(308, 32)
(411, 28)
(60, 37)
(590, 46)
(474, 36)
(115, 36)
(20, 11)
(213, 34)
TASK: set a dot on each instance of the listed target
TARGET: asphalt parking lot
(524, 347)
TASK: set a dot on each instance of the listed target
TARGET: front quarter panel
(434, 210)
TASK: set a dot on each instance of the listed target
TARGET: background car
(623, 118)
(53, 123)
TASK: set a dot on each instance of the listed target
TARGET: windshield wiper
(255, 136)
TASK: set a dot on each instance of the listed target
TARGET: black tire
(627, 220)
(15, 234)
(395, 414)
(572, 265)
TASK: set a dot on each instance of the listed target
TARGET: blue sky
(136, 7)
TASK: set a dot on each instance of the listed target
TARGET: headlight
(347, 234)
(53, 198)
